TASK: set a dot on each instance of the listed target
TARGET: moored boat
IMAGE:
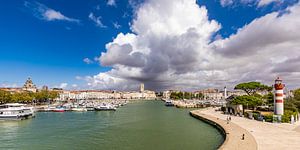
(90, 108)
(105, 108)
(78, 109)
(15, 111)
(169, 103)
(59, 109)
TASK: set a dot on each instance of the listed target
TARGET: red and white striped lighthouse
(278, 98)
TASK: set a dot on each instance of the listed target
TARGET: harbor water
(136, 126)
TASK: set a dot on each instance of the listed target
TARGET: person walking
(227, 119)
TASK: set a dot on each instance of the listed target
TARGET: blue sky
(51, 49)
(51, 52)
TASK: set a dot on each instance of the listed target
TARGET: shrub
(268, 118)
(246, 114)
(286, 117)
(255, 116)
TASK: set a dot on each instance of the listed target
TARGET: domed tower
(29, 86)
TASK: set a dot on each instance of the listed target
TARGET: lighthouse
(278, 98)
(225, 92)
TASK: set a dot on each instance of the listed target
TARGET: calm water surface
(137, 126)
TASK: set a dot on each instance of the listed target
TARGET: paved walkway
(234, 134)
(269, 136)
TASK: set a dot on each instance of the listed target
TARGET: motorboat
(49, 108)
(78, 109)
(16, 111)
(105, 107)
(59, 109)
(90, 108)
(169, 103)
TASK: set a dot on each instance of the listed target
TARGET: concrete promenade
(268, 136)
(234, 134)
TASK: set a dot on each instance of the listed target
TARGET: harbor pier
(236, 138)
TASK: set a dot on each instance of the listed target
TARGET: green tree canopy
(187, 95)
(23, 97)
(199, 96)
(246, 100)
(293, 103)
(27, 97)
(297, 94)
(5, 96)
(252, 87)
(269, 98)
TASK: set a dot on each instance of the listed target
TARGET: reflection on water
(140, 125)
(9, 131)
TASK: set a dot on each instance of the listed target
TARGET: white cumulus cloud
(265, 48)
(171, 46)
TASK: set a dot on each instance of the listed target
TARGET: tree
(23, 97)
(269, 98)
(53, 95)
(174, 95)
(293, 103)
(27, 97)
(199, 96)
(45, 95)
(252, 87)
(297, 94)
(289, 104)
(187, 95)
(247, 101)
(180, 95)
(5, 96)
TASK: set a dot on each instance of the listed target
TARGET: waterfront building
(211, 94)
(12, 90)
(214, 94)
(149, 94)
(104, 94)
(233, 108)
(167, 94)
(29, 86)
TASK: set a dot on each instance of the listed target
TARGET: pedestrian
(243, 137)
(229, 118)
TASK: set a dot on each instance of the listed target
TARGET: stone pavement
(269, 136)
(234, 134)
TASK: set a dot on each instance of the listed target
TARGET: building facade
(101, 94)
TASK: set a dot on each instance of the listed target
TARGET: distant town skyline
(165, 44)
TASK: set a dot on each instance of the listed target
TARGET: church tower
(29, 86)
(142, 87)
